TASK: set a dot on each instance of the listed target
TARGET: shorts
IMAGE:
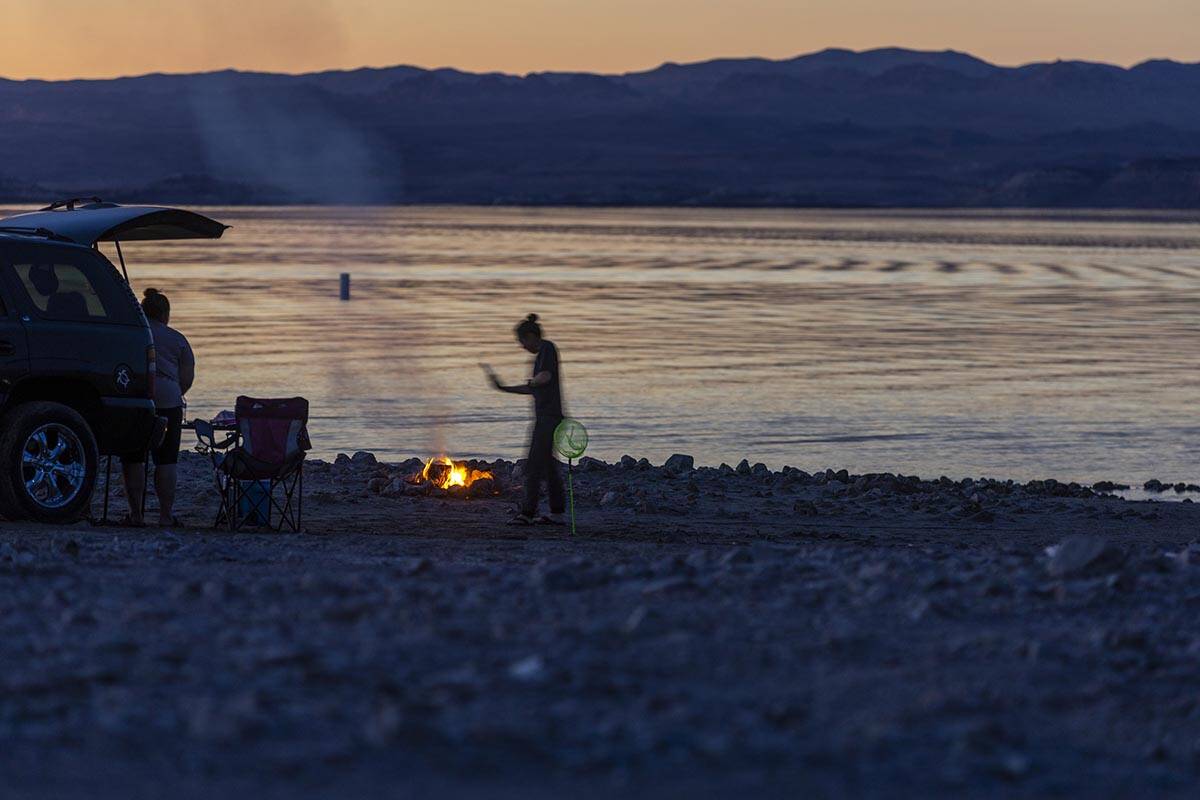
(168, 451)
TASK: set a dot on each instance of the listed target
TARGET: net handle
(571, 492)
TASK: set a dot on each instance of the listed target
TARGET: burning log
(454, 478)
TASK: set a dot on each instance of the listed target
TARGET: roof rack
(70, 203)
(44, 233)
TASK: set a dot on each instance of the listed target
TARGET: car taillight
(151, 368)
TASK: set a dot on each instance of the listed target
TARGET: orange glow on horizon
(129, 37)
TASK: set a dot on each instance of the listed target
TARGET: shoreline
(635, 486)
(705, 634)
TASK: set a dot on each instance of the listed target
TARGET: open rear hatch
(88, 221)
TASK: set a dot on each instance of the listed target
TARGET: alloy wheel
(53, 465)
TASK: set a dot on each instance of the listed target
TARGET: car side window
(61, 291)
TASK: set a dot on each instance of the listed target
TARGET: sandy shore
(711, 632)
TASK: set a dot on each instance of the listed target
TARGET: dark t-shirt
(547, 399)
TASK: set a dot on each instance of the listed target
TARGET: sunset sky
(82, 38)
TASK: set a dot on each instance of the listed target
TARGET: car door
(14, 348)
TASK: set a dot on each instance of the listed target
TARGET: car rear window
(61, 291)
(70, 285)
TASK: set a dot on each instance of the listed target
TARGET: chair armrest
(206, 436)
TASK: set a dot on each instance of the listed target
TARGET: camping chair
(272, 438)
(206, 436)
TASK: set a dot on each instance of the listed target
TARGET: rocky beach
(709, 631)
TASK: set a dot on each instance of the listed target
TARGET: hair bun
(532, 318)
(150, 292)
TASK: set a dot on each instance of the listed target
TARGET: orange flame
(443, 472)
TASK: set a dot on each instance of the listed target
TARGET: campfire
(455, 477)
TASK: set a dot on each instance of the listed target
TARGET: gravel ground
(709, 632)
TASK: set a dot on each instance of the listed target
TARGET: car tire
(48, 463)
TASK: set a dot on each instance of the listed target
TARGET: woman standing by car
(175, 371)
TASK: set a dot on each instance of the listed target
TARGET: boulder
(628, 462)
(411, 466)
(363, 459)
(589, 464)
(743, 467)
(1083, 554)
(679, 464)
(484, 487)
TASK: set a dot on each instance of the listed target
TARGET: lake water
(1018, 345)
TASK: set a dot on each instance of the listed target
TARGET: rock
(572, 575)
(634, 620)
(484, 487)
(589, 464)
(743, 467)
(411, 567)
(668, 585)
(342, 460)
(738, 555)
(1154, 485)
(1083, 553)
(679, 464)
(411, 466)
(608, 499)
(377, 484)
(726, 470)
(671, 565)
(362, 458)
(528, 670)
(628, 462)
(396, 487)
(760, 470)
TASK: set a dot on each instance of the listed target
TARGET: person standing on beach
(175, 369)
(547, 414)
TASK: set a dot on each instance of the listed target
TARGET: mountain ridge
(889, 126)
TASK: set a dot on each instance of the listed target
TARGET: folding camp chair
(206, 435)
(263, 474)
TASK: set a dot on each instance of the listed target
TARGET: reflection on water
(1014, 345)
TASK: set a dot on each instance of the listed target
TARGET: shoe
(521, 519)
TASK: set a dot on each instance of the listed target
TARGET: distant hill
(887, 127)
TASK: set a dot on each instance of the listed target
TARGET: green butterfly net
(570, 438)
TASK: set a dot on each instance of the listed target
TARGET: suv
(76, 373)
